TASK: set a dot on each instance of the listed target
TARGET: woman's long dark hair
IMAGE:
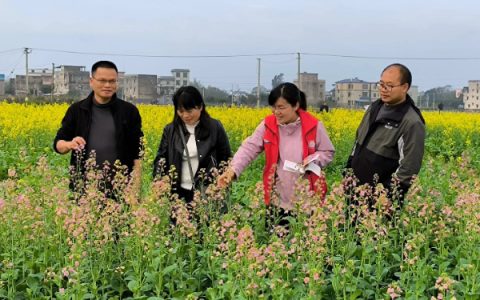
(188, 97)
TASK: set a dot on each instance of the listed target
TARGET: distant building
(166, 88)
(11, 84)
(73, 81)
(313, 88)
(355, 92)
(2, 84)
(39, 83)
(471, 98)
(141, 88)
(168, 85)
(121, 85)
(182, 77)
(330, 95)
(413, 92)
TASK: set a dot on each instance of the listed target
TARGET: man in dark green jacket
(390, 140)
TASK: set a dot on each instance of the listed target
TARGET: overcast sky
(373, 28)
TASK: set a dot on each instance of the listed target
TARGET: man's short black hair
(103, 64)
(406, 75)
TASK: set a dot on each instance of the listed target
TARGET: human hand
(309, 159)
(77, 143)
(226, 178)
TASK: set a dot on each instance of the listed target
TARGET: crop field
(52, 247)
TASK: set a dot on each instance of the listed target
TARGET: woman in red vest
(291, 139)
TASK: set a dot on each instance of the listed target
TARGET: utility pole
(203, 93)
(53, 82)
(258, 83)
(26, 51)
(298, 71)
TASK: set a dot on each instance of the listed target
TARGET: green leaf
(355, 295)
(169, 269)
(397, 257)
(33, 282)
(133, 285)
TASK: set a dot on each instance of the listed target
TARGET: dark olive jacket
(392, 145)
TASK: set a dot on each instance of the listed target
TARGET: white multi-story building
(471, 98)
(355, 92)
(313, 88)
(182, 77)
(167, 85)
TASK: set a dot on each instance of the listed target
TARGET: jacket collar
(396, 114)
(88, 102)
(308, 122)
(202, 130)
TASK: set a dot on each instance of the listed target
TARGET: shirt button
(198, 140)
(200, 155)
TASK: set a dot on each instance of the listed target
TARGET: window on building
(185, 74)
(365, 86)
(177, 82)
(364, 94)
(349, 94)
(178, 74)
(185, 82)
(350, 86)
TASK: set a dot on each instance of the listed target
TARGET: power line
(160, 56)
(280, 61)
(45, 66)
(251, 55)
(389, 57)
(15, 66)
(10, 50)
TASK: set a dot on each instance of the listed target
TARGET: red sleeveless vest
(271, 142)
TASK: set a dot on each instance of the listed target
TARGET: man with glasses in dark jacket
(103, 124)
(390, 140)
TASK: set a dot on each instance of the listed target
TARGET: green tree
(277, 80)
(444, 95)
(212, 95)
(9, 87)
